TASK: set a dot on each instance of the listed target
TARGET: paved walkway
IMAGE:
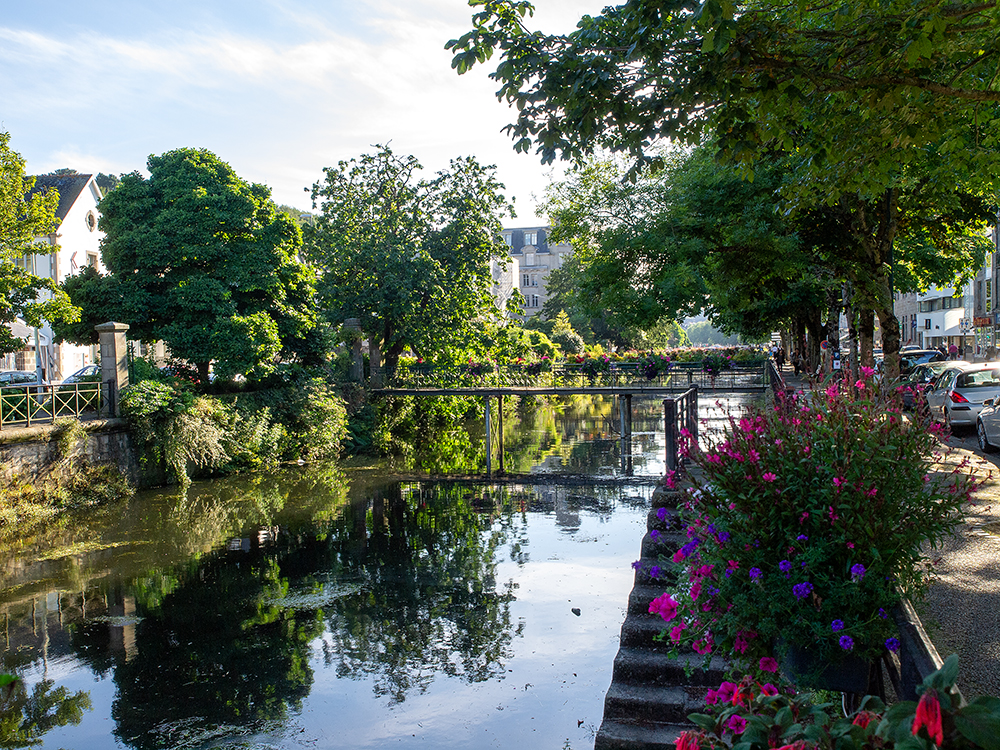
(962, 610)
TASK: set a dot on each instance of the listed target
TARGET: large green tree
(412, 258)
(204, 261)
(870, 97)
(24, 217)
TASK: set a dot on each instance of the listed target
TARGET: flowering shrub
(716, 362)
(808, 528)
(756, 716)
(478, 369)
(653, 365)
(536, 368)
(594, 366)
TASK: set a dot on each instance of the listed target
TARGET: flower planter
(848, 674)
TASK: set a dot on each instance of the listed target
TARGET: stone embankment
(651, 694)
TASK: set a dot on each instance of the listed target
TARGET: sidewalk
(962, 610)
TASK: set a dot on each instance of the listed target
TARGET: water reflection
(226, 611)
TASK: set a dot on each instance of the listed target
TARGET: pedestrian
(952, 351)
(796, 361)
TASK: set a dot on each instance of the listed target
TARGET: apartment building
(534, 257)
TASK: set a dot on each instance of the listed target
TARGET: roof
(69, 186)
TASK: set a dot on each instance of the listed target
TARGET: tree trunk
(866, 333)
(203, 373)
(851, 311)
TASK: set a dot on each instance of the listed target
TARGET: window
(534, 279)
(927, 324)
(534, 300)
(530, 238)
(529, 259)
(525, 279)
(951, 303)
(92, 260)
(508, 239)
(989, 294)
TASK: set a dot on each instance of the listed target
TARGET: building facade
(75, 244)
(939, 317)
(534, 259)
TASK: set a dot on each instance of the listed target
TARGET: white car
(971, 387)
(937, 391)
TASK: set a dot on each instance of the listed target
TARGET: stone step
(670, 522)
(645, 667)
(666, 704)
(642, 594)
(638, 631)
(656, 544)
(619, 734)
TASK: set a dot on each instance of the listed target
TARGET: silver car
(937, 390)
(969, 389)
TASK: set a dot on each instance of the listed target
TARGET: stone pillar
(353, 335)
(114, 360)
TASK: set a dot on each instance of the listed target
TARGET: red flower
(864, 718)
(929, 717)
(688, 741)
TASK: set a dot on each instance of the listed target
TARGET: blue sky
(277, 88)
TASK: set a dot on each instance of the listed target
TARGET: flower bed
(808, 528)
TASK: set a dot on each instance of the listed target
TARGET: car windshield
(979, 379)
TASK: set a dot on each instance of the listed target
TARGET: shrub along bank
(185, 434)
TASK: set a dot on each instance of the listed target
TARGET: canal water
(346, 605)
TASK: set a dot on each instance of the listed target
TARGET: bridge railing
(682, 375)
(679, 414)
(29, 404)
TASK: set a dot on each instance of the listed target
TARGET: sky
(279, 89)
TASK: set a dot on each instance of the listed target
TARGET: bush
(570, 342)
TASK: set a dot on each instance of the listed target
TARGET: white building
(941, 316)
(534, 259)
(75, 244)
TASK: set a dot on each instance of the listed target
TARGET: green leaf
(979, 724)
(703, 721)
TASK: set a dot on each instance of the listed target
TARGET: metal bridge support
(500, 430)
(489, 439)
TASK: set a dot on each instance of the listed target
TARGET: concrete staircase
(650, 696)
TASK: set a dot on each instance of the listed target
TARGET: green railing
(27, 404)
(682, 375)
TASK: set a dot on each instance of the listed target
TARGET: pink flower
(839, 482)
(768, 689)
(769, 477)
(860, 385)
(688, 741)
(704, 646)
(665, 606)
(676, 632)
(712, 697)
(736, 724)
(768, 664)
(867, 372)
(695, 590)
(726, 690)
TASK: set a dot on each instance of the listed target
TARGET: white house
(75, 244)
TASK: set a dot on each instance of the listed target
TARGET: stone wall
(30, 450)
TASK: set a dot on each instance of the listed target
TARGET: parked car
(937, 389)
(911, 358)
(920, 378)
(83, 375)
(969, 389)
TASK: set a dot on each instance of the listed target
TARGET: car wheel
(984, 443)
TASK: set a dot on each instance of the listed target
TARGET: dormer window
(508, 239)
(531, 238)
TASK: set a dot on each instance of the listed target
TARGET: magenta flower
(768, 689)
(664, 606)
(736, 724)
(768, 664)
(769, 477)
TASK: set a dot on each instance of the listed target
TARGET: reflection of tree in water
(405, 582)
(216, 652)
(26, 716)
(431, 604)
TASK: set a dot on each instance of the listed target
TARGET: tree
(204, 261)
(871, 98)
(411, 258)
(23, 218)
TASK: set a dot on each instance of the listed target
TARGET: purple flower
(846, 642)
(802, 590)
(661, 513)
(857, 571)
(654, 535)
(690, 547)
(637, 564)
(837, 625)
(754, 574)
(892, 644)
(802, 538)
(785, 566)
(654, 572)
(723, 537)
(882, 613)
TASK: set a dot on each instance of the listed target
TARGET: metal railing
(28, 404)
(682, 375)
(680, 413)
